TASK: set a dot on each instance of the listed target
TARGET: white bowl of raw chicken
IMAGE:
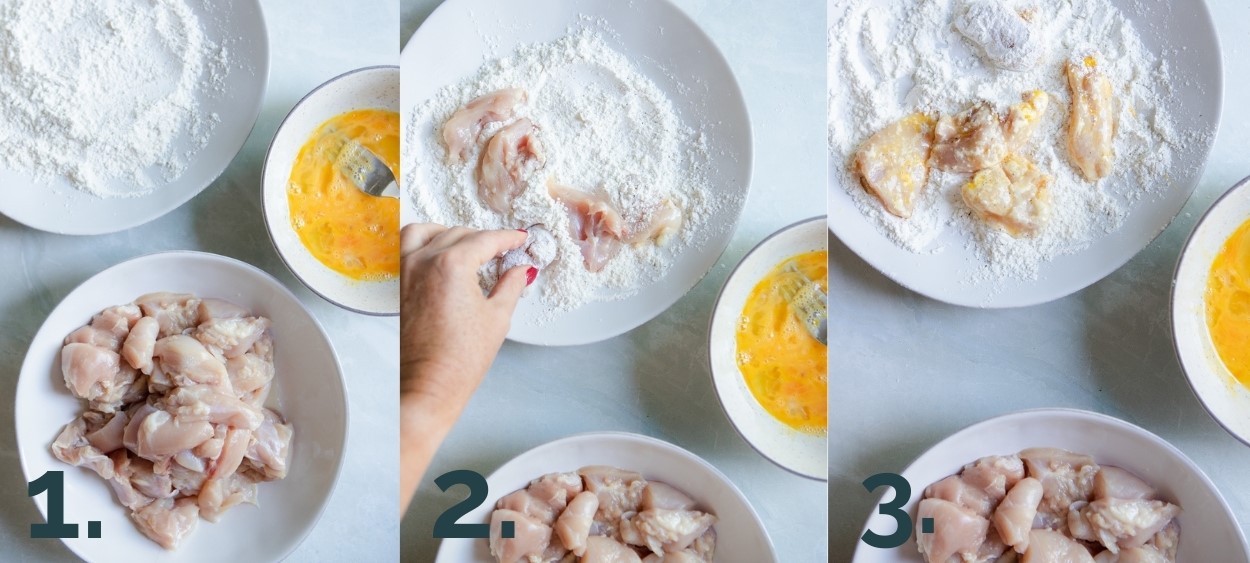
(740, 533)
(308, 391)
(1209, 531)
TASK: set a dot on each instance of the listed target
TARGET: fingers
(417, 235)
(509, 287)
(485, 245)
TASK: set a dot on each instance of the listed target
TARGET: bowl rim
(202, 255)
(1092, 416)
(823, 219)
(1173, 304)
(269, 225)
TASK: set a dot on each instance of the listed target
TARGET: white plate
(665, 44)
(1209, 531)
(1194, 55)
(804, 454)
(364, 88)
(60, 208)
(308, 387)
(740, 536)
(1226, 399)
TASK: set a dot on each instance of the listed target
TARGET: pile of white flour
(889, 59)
(604, 128)
(103, 93)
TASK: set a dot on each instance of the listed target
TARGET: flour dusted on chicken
(601, 514)
(176, 389)
(1046, 504)
(889, 59)
(630, 174)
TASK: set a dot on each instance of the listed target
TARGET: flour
(889, 59)
(103, 93)
(605, 128)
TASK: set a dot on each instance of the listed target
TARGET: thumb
(509, 287)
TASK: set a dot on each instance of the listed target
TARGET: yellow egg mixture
(1228, 304)
(784, 366)
(349, 231)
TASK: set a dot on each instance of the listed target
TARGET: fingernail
(524, 231)
(530, 275)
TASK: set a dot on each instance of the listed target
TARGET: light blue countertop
(909, 371)
(310, 41)
(655, 379)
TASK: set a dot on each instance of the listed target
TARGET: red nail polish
(530, 275)
(524, 231)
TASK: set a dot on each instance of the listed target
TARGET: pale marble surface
(655, 380)
(909, 371)
(311, 41)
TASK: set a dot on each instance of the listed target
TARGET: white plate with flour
(150, 121)
(948, 259)
(660, 43)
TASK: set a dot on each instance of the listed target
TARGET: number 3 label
(893, 509)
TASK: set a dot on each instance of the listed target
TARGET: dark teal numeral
(446, 525)
(52, 482)
(893, 509)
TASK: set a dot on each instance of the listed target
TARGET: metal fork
(366, 171)
(808, 302)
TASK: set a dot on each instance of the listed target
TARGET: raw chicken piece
(1113, 482)
(167, 521)
(210, 309)
(1078, 527)
(969, 141)
(174, 312)
(525, 503)
(140, 344)
(461, 131)
(1046, 546)
(1013, 195)
(705, 545)
(530, 538)
(106, 437)
(1010, 38)
(957, 531)
(1066, 478)
(661, 224)
(186, 361)
(216, 496)
(556, 489)
(231, 337)
(659, 495)
(665, 531)
(203, 403)
(137, 476)
(595, 225)
(1124, 523)
(95, 337)
(160, 435)
(955, 489)
(270, 448)
(1168, 540)
(72, 446)
(89, 369)
(994, 474)
(1023, 119)
(994, 548)
(508, 154)
(573, 526)
(1094, 119)
(893, 164)
(127, 494)
(116, 321)
(619, 491)
(1013, 519)
(600, 549)
(187, 482)
(233, 449)
(248, 373)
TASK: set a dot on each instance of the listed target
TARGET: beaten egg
(783, 365)
(1228, 304)
(351, 232)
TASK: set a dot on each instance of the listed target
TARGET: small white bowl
(364, 88)
(308, 387)
(740, 536)
(1226, 399)
(801, 453)
(1209, 531)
